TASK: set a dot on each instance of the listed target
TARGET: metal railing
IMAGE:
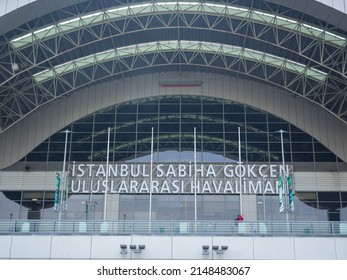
(222, 228)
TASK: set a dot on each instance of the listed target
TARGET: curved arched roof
(69, 45)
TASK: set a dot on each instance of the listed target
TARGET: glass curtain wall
(309, 206)
(174, 119)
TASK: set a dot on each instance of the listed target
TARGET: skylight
(174, 7)
(187, 46)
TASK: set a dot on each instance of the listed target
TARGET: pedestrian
(239, 218)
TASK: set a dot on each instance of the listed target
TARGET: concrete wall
(170, 247)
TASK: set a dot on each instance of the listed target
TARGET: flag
(67, 191)
(280, 193)
(56, 195)
(291, 193)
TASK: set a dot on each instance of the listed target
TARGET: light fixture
(137, 249)
(15, 67)
(205, 249)
(123, 249)
(219, 249)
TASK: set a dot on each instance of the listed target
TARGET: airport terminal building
(159, 122)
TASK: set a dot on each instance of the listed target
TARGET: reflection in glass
(173, 118)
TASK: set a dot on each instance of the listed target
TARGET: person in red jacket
(239, 218)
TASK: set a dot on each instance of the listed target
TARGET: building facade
(175, 111)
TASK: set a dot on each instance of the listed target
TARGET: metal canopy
(59, 53)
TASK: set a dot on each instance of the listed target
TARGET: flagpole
(284, 176)
(62, 189)
(151, 178)
(240, 178)
(107, 168)
(195, 202)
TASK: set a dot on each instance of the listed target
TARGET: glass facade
(309, 206)
(174, 119)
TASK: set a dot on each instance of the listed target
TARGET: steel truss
(21, 93)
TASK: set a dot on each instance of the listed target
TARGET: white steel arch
(20, 95)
